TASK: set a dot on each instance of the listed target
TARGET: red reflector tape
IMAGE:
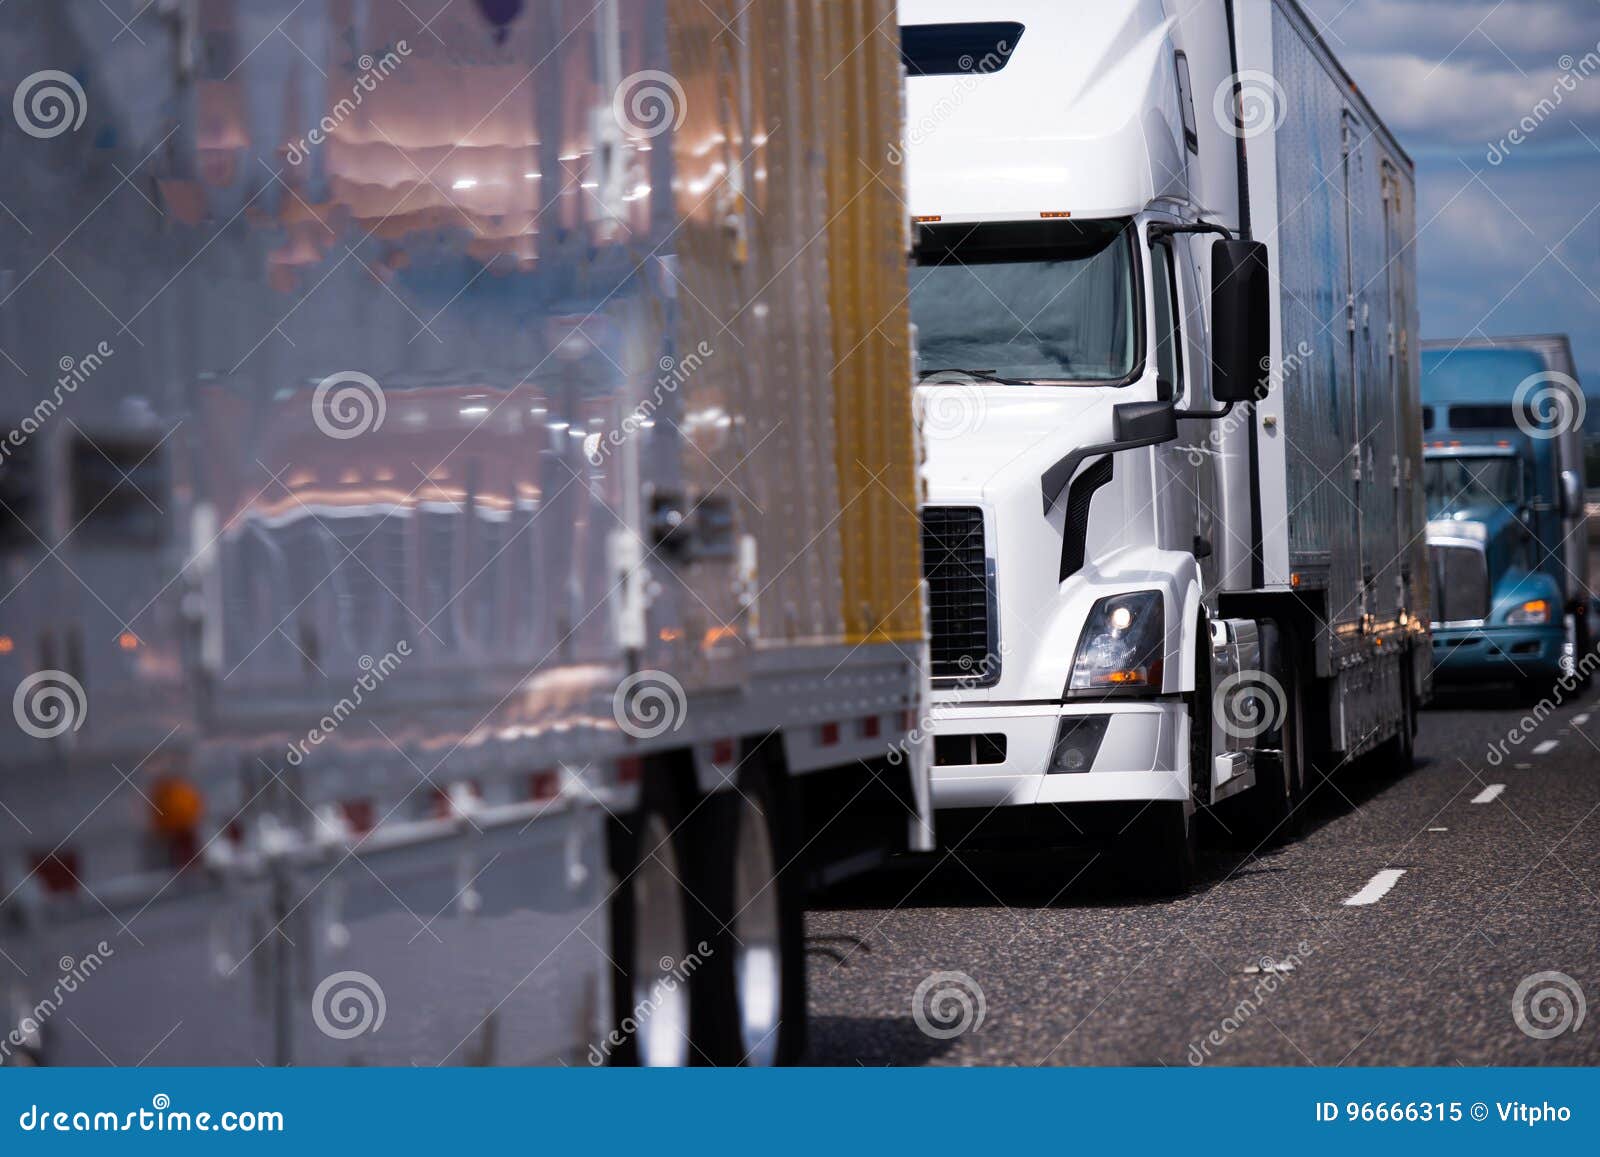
(830, 734)
(359, 814)
(57, 871)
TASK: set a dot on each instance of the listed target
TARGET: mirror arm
(1163, 229)
(1227, 408)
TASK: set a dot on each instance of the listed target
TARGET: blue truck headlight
(1122, 645)
(1534, 612)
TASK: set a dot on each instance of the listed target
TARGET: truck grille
(959, 589)
(1460, 583)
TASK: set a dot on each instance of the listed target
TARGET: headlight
(1122, 645)
(1532, 612)
(1450, 528)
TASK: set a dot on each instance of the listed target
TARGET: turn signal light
(1533, 611)
(176, 807)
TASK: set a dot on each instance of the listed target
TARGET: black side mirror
(1241, 351)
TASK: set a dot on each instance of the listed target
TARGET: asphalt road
(1058, 965)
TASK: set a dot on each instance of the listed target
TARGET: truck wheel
(1582, 644)
(1165, 841)
(1397, 754)
(1161, 856)
(753, 981)
(649, 934)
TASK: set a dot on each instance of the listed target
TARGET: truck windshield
(1047, 303)
(1460, 483)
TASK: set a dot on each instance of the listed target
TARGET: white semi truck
(458, 525)
(1165, 299)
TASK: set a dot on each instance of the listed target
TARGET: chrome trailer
(457, 523)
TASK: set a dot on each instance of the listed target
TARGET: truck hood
(1495, 519)
(985, 441)
(989, 446)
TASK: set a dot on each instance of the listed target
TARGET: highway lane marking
(1546, 747)
(1489, 794)
(1580, 720)
(1376, 888)
(1438, 829)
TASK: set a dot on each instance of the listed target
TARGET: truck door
(1185, 523)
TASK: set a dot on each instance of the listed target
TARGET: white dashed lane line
(1376, 888)
(1580, 720)
(1489, 794)
(1546, 747)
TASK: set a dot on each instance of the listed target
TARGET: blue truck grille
(1460, 583)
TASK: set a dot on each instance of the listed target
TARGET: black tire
(750, 993)
(1397, 755)
(1582, 644)
(651, 1005)
(1162, 849)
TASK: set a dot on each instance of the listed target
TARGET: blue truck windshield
(1051, 303)
(1461, 483)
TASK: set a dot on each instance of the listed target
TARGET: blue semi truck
(1507, 536)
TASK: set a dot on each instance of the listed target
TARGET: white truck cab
(1094, 333)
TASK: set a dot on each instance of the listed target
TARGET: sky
(1508, 233)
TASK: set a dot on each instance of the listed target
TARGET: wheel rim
(659, 989)
(758, 958)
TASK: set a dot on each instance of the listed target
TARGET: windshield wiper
(980, 375)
